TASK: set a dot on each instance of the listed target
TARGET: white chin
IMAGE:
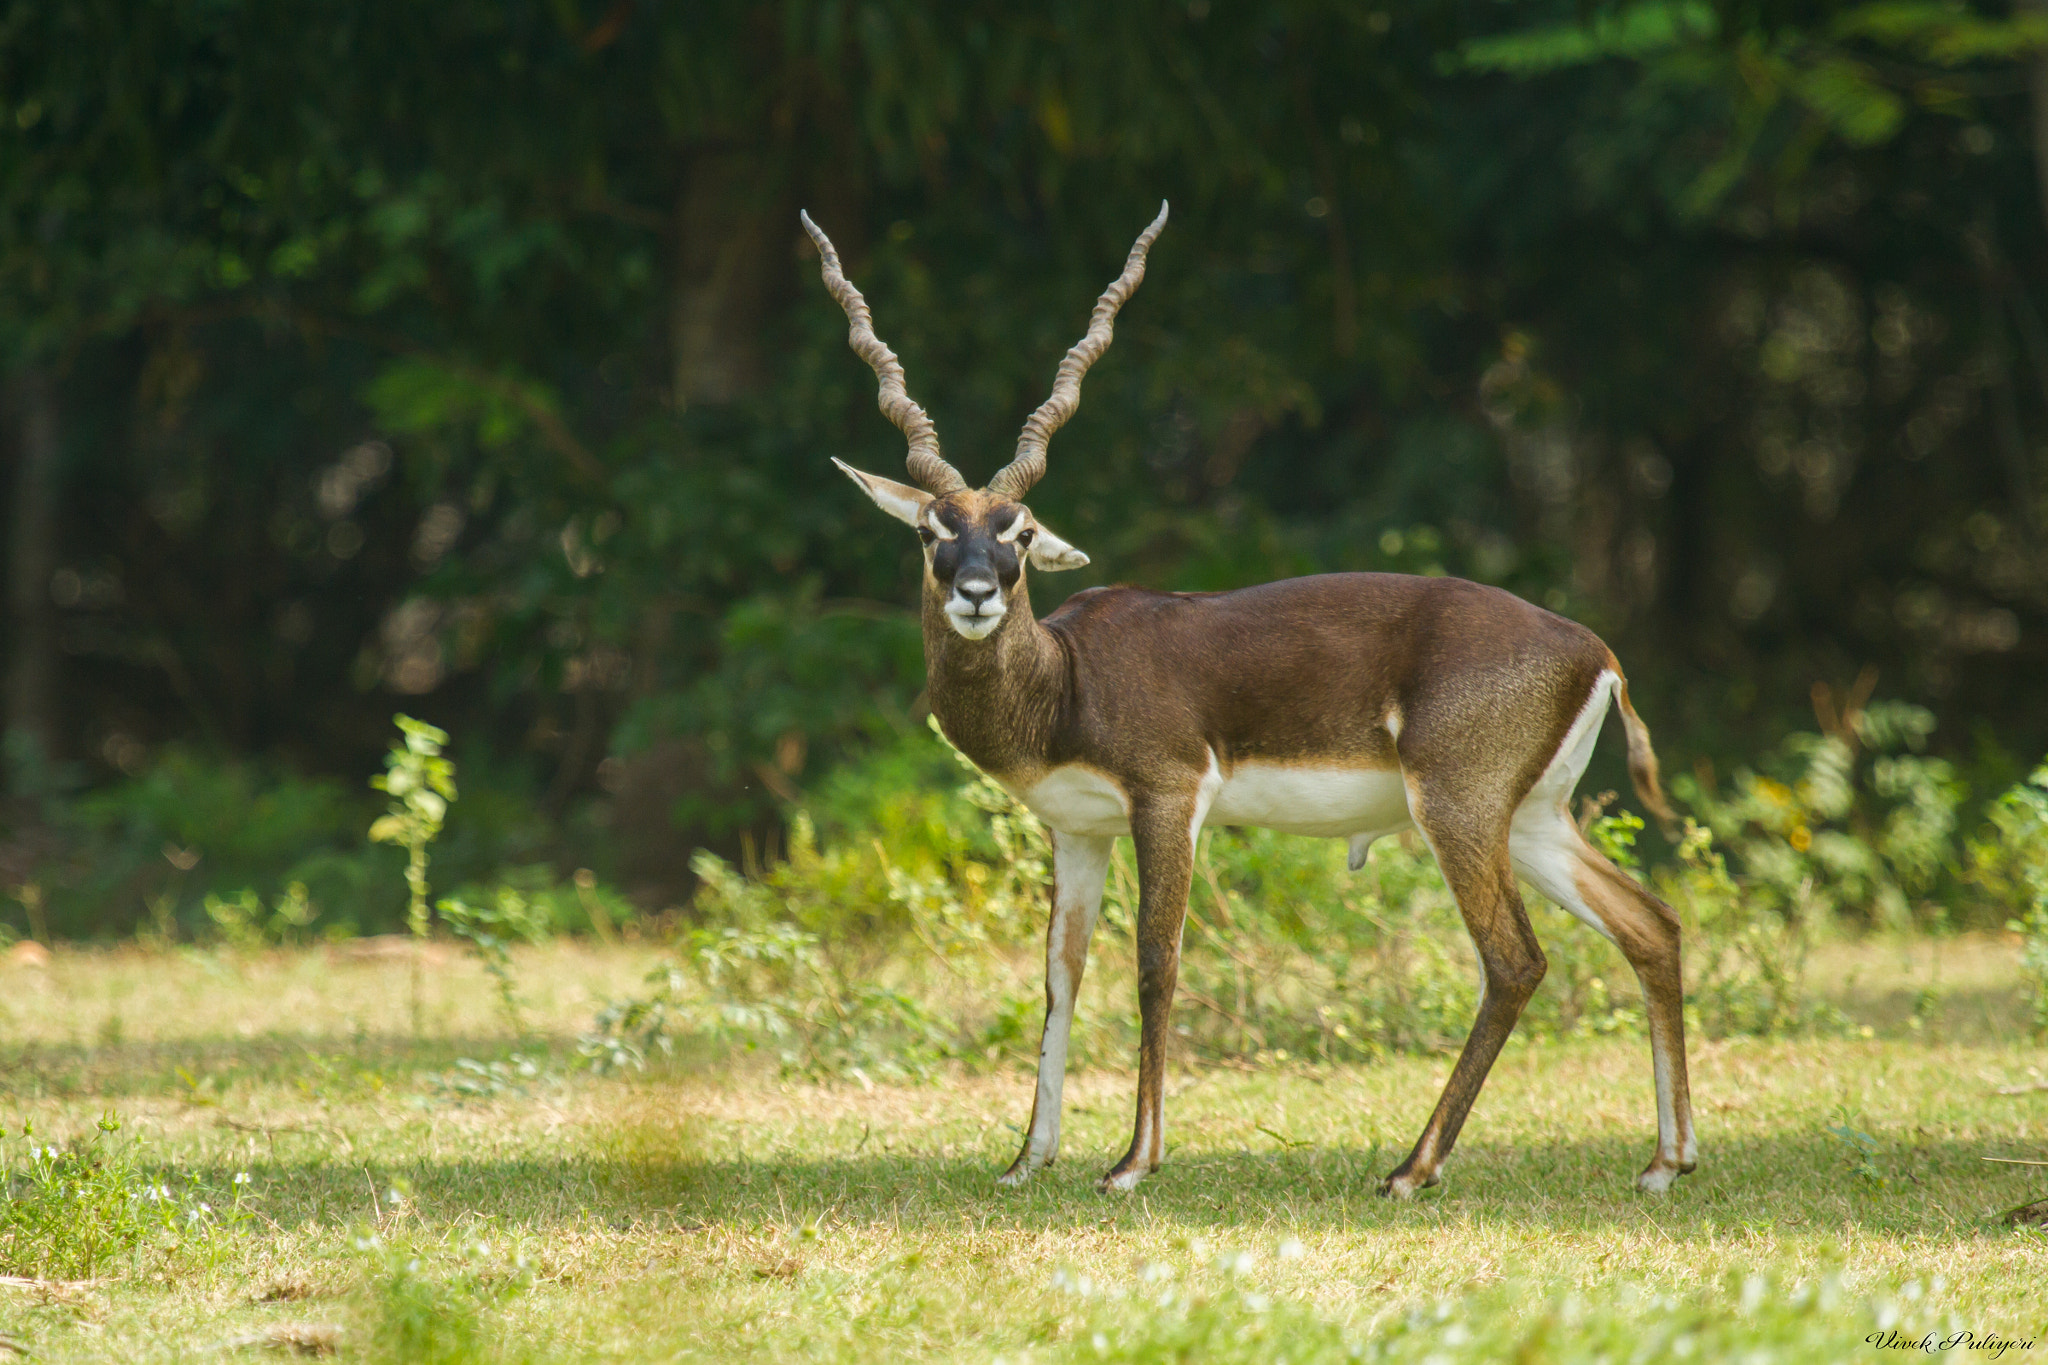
(974, 627)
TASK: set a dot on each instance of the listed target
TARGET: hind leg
(1475, 866)
(1554, 856)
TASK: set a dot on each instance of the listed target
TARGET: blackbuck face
(977, 542)
(976, 546)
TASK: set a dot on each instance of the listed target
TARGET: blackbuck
(1351, 706)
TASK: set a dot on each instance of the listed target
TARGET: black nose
(977, 591)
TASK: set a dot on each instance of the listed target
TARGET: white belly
(1326, 801)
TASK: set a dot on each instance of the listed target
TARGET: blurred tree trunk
(31, 735)
(725, 245)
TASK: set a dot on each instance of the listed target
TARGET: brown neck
(998, 699)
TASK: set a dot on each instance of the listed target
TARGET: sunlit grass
(717, 1212)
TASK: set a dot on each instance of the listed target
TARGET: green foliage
(1747, 960)
(748, 976)
(1785, 84)
(1288, 955)
(2012, 864)
(244, 924)
(1635, 31)
(192, 826)
(1860, 827)
(532, 903)
(470, 1079)
(78, 1211)
(1615, 836)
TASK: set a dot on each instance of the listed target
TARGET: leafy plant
(421, 784)
(1860, 825)
(1749, 958)
(532, 903)
(152, 847)
(490, 929)
(1863, 1149)
(770, 986)
(71, 1212)
(471, 1079)
(245, 925)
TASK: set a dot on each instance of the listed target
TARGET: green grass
(713, 1211)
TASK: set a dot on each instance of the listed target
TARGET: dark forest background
(467, 359)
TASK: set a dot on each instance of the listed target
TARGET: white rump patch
(1543, 843)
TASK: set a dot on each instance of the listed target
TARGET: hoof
(1402, 1185)
(1122, 1180)
(1659, 1178)
(1021, 1170)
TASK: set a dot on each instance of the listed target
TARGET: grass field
(712, 1211)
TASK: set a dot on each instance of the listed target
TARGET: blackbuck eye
(1024, 539)
(924, 534)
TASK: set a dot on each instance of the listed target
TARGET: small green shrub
(72, 1212)
(470, 1079)
(533, 903)
(245, 925)
(1857, 831)
(490, 927)
(421, 784)
(761, 983)
(823, 957)
(1288, 954)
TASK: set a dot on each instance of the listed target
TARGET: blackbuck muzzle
(1350, 706)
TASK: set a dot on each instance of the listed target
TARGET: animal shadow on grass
(1796, 1182)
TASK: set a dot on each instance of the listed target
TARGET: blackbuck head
(977, 541)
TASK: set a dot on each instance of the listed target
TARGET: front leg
(1080, 865)
(1164, 835)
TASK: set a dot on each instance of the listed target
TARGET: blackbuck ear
(899, 500)
(1049, 552)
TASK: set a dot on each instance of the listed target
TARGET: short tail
(1642, 759)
